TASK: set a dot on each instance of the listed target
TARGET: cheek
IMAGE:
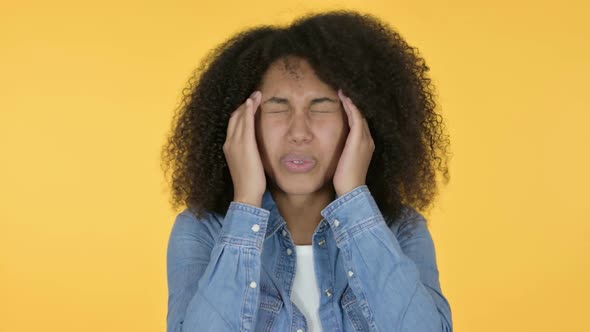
(334, 130)
(333, 136)
(267, 138)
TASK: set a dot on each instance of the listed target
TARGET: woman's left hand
(353, 165)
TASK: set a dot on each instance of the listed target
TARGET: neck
(302, 212)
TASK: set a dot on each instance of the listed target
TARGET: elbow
(424, 314)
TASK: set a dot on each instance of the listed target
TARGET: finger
(367, 129)
(235, 125)
(346, 108)
(356, 115)
(258, 101)
(254, 109)
(240, 119)
(255, 98)
(232, 124)
(248, 113)
(248, 118)
(244, 113)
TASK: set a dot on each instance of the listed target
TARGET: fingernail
(253, 94)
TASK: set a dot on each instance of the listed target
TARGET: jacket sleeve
(395, 280)
(213, 282)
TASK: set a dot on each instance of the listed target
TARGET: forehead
(291, 75)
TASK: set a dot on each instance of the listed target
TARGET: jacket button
(256, 227)
(253, 284)
(289, 251)
(328, 293)
(336, 222)
(299, 330)
(284, 232)
(322, 242)
(350, 273)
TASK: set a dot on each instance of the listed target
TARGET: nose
(299, 131)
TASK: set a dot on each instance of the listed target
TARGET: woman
(302, 154)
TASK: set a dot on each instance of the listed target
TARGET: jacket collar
(275, 220)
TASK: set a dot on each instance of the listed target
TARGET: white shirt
(305, 294)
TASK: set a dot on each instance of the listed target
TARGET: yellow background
(86, 98)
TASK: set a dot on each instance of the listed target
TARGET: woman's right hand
(241, 153)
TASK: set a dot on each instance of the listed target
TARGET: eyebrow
(285, 101)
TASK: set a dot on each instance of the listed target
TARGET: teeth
(297, 161)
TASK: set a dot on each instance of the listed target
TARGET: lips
(306, 165)
(297, 156)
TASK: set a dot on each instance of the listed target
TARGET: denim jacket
(234, 273)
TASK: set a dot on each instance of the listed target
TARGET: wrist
(249, 200)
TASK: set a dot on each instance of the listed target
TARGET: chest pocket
(269, 307)
(352, 310)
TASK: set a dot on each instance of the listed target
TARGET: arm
(396, 281)
(213, 285)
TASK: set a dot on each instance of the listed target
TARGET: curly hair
(372, 64)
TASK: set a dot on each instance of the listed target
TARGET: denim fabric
(233, 273)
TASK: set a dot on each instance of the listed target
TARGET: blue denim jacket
(233, 273)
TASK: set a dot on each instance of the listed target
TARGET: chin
(299, 185)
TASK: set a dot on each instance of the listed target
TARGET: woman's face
(299, 114)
